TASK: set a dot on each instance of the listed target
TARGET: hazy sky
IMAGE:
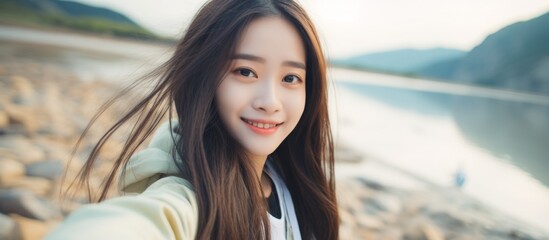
(353, 27)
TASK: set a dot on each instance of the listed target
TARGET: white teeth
(261, 125)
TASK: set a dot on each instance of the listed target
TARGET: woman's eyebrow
(262, 60)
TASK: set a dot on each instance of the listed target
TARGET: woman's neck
(266, 185)
(259, 166)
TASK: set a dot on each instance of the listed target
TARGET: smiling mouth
(261, 124)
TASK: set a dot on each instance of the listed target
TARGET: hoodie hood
(152, 163)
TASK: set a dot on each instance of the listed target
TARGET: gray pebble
(9, 230)
(47, 169)
(26, 204)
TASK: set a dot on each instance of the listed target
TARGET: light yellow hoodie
(162, 206)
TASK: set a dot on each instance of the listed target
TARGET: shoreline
(82, 42)
(66, 31)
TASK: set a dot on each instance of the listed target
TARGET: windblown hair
(226, 185)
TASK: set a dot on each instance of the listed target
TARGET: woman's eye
(246, 72)
(291, 79)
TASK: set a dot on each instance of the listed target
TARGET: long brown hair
(226, 186)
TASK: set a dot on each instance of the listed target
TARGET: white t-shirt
(278, 225)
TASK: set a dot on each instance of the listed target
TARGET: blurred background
(440, 108)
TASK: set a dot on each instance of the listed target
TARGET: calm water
(499, 139)
(515, 132)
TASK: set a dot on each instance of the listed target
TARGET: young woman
(250, 154)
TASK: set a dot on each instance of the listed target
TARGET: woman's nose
(267, 97)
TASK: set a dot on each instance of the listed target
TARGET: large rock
(390, 234)
(351, 202)
(363, 234)
(421, 227)
(57, 129)
(24, 118)
(33, 229)
(10, 170)
(21, 149)
(25, 203)
(51, 170)
(450, 219)
(432, 232)
(389, 218)
(14, 129)
(372, 184)
(55, 149)
(4, 119)
(346, 232)
(37, 185)
(386, 202)
(414, 228)
(351, 195)
(347, 218)
(9, 230)
(509, 233)
(369, 222)
(24, 90)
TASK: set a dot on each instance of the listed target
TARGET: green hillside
(515, 57)
(71, 15)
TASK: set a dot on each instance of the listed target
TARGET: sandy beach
(44, 108)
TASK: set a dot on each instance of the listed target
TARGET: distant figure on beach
(248, 152)
(459, 177)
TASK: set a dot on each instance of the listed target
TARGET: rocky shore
(377, 211)
(43, 109)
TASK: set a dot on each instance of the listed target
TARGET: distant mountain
(439, 70)
(71, 15)
(74, 9)
(82, 10)
(401, 61)
(515, 57)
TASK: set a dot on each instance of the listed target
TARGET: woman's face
(261, 99)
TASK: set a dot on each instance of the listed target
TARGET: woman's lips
(262, 127)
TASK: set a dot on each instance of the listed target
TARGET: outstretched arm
(166, 210)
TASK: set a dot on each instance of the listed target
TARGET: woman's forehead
(272, 38)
